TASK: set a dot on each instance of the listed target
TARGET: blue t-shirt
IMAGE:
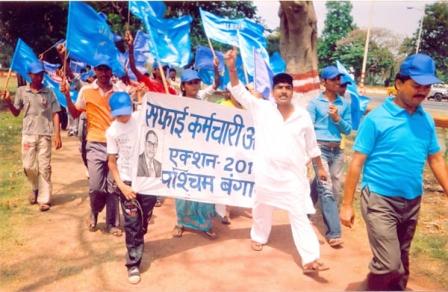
(324, 126)
(397, 145)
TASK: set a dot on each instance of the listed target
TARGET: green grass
(13, 185)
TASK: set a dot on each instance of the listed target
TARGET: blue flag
(141, 8)
(358, 102)
(22, 57)
(247, 45)
(225, 30)
(77, 66)
(142, 49)
(277, 63)
(170, 38)
(89, 38)
(263, 76)
(55, 87)
(142, 53)
(204, 59)
(203, 63)
(240, 71)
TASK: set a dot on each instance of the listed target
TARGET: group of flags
(89, 40)
(23, 56)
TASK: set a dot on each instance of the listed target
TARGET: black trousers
(137, 214)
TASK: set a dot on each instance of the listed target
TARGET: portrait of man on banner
(148, 165)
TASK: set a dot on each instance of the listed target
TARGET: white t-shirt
(121, 140)
(282, 150)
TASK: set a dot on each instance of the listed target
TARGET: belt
(331, 145)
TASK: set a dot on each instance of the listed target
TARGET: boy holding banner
(137, 208)
(40, 122)
(284, 141)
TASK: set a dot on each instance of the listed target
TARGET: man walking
(40, 123)
(331, 117)
(285, 140)
(392, 146)
(94, 100)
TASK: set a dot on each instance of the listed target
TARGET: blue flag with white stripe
(225, 30)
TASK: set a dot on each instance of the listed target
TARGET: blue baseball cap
(345, 79)
(120, 104)
(330, 72)
(189, 75)
(36, 67)
(421, 68)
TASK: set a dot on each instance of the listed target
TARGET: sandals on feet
(314, 268)
(44, 207)
(32, 197)
(256, 246)
(178, 231)
(335, 242)
(115, 231)
(225, 220)
(92, 227)
(210, 234)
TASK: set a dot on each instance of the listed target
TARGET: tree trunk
(298, 44)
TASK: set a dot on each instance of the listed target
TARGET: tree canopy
(380, 59)
(41, 24)
(338, 24)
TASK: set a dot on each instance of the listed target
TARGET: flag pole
(165, 85)
(211, 47)
(7, 79)
(129, 19)
(255, 71)
(47, 50)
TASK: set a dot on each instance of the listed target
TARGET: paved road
(430, 105)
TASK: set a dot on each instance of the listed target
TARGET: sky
(392, 15)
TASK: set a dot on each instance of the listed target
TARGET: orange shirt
(95, 103)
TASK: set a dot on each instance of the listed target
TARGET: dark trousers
(101, 184)
(391, 224)
(137, 214)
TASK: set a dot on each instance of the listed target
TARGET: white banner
(194, 150)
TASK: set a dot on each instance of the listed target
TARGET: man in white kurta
(285, 141)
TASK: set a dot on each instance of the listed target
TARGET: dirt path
(57, 253)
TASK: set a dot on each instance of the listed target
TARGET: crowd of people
(291, 143)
